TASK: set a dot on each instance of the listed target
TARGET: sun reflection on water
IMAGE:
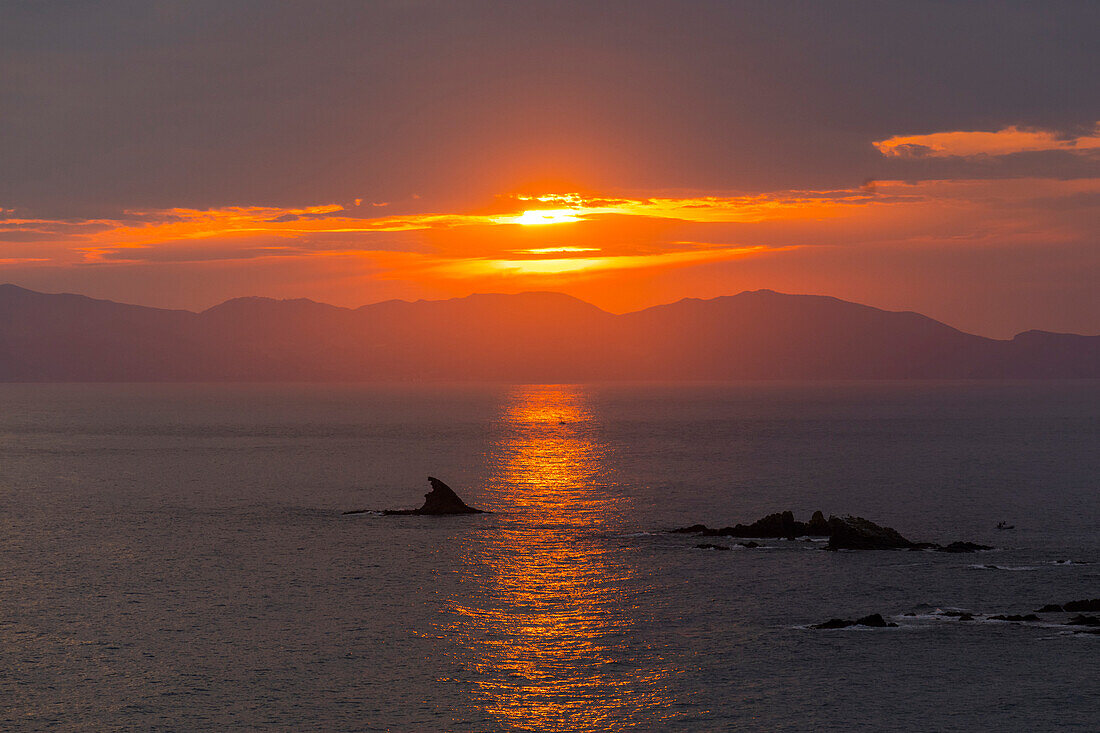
(546, 619)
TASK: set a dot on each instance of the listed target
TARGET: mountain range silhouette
(527, 337)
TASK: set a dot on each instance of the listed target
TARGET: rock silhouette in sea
(857, 533)
(875, 621)
(844, 533)
(1082, 620)
(1091, 604)
(440, 500)
(1088, 604)
(780, 524)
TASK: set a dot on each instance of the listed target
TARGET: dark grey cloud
(115, 105)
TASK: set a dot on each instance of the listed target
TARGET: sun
(544, 216)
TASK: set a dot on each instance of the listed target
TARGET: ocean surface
(174, 557)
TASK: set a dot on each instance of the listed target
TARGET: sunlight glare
(544, 216)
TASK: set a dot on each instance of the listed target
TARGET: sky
(941, 157)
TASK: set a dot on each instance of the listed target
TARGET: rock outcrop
(844, 533)
(1088, 604)
(780, 524)
(875, 621)
(955, 547)
(1091, 604)
(440, 500)
(857, 533)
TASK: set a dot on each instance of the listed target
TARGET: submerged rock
(1080, 620)
(1015, 617)
(440, 500)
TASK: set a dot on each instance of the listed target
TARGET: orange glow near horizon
(618, 251)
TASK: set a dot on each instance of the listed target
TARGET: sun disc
(545, 216)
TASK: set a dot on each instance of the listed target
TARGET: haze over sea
(174, 557)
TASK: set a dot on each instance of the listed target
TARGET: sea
(175, 557)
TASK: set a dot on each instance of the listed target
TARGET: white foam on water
(1019, 568)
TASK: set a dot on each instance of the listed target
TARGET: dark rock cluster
(874, 621)
(844, 533)
(1082, 620)
(1091, 604)
(780, 524)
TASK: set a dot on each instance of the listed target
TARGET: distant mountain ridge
(526, 337)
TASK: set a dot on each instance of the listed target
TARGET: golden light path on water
(547, 619)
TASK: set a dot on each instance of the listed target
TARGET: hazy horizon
(251, 296)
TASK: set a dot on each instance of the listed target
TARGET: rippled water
(174, 557)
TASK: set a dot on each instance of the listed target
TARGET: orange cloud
(1003, 142)
(587, 237)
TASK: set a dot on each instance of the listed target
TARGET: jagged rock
(1050, 608)
(706, 546)
(1092, 604)
(857, 533)
(844, 533)
(1080, 620)
(779, 524)
(818, 525)
(443, 500)
(1015, 617)
(875, 620)
(440, 500)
